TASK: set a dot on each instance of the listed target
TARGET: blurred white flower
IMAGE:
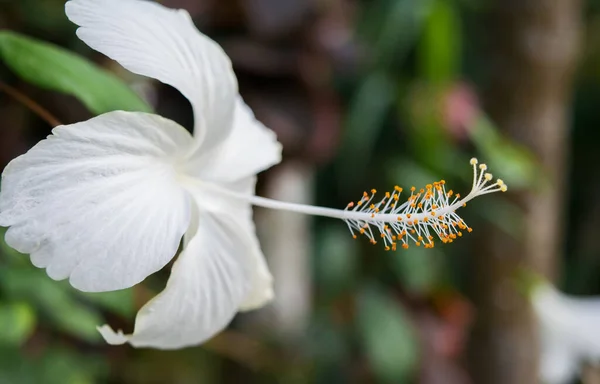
(106, 202)
(569, 333)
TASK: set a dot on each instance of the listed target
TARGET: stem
(342, 214)
(292, 207)
(336, 213)
(29, 103)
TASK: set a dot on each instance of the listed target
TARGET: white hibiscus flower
(106, 202)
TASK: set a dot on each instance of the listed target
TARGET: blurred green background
(362, 94)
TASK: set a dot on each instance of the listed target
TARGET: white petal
(558, 363)
(261, 280)
(98, 201)
(152, 40)
(250, 149)
(261, 291)
(207, 284)
(573, 320)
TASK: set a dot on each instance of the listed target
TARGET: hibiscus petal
(559, 363)
(574, 320)
(98, 201)
(207, 284)
(152, 40)
(261, 291)
(261, 280)
(250, 149)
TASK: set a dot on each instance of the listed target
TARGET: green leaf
(388, 336)
(51, 67)
(17, 322)
(417, 268)
(439, 48)
(514, 162)
(364, 124)
(55, 300)
(336, 261)
(400, 27)
(119, 302)
(57, 365)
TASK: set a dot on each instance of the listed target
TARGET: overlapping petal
(250, 149)
(152, 40)
(210, 200)
(98, 201)
(207, 284)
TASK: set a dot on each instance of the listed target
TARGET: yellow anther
(488, 176)
(504, 188)
(473, 161)
(483, 167)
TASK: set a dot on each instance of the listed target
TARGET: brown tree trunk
(533, 48)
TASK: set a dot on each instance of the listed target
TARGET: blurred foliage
(57, 69)
(406, 79)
